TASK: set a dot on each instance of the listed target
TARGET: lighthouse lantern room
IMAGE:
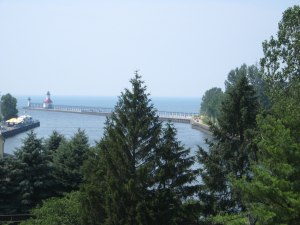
(48, 104)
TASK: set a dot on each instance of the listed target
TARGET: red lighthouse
(48, 104)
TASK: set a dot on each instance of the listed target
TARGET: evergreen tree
(230, 151)
(53, 142)
(34, 178)
(51, 146)
(9, 201)
(272, 197)
(92, 196)
(175, 180)
(128, 148)
(68, 160)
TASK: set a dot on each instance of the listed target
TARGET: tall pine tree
(272, 196)
(175, 181)
(9, 186)
(35, 174)
(68, 160)
(127, 149)
(138, 173)
(230, 151)
(53, 142)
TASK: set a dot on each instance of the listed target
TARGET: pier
(181, 117)
(176, 117)
(14, 130)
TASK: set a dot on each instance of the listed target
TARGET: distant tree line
(139, 173)
(250, 174)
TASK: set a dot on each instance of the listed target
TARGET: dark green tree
(231, 150)
(68, 161)
(34, 177)
(92, 197)
(175, 181)
(8, 106)
(53, 142)
(211, 103)
(272, 197)
(9, 201)
(127, 148)
(255, 77)
(51, 146)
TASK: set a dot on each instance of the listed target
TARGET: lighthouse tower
(29, 102)
(48, 104)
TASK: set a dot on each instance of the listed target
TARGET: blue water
(69, 123)
(189, 105)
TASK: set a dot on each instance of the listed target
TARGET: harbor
(16, 126)
(65, 121)
(176, 117)
(10, 131)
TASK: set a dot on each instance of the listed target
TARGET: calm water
(69, 123)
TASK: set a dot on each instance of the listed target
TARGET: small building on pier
(48, 103)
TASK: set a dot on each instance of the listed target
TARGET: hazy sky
(92, 47)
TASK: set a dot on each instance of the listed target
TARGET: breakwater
(176, 117)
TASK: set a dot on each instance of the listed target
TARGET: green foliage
(56, 211)
(68, 160)
(34, 172)
(239, 110)
(128, 146)
(281, 61)
(53, 142)
(8, 106)
(138, 173)
(9, 201)
(92, 195)
(230, 151)
(255, 78)
(174, 180)
(272, 196)
(274, 193)
(211, 103)
(231, 219)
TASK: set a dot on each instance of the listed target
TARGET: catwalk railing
(164, 115)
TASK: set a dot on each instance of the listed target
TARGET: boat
(18, 125)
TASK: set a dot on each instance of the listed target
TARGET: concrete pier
(12, 131)
(176, 117)
(180, 117)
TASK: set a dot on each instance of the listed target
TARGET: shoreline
(198, 124)
(195, 122)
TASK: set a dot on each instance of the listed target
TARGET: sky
(92, 47)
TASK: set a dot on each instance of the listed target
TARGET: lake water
(68, 123)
